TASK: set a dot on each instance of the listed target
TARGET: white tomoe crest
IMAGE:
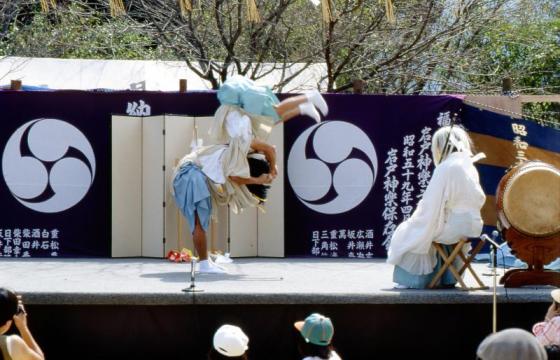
(332, 167)
(48, 165)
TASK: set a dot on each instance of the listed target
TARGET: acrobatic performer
(242, 124)
(245, 104)
(448, 211)
(237, 174)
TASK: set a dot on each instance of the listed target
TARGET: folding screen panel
(146, 221)
(153, 190)
(126, 189)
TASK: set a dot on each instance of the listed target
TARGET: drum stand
(536, 252)
(535, 274)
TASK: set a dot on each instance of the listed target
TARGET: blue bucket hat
(316, 329)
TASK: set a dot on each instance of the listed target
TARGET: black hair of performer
(257, 167)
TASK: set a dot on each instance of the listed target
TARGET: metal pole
(358, 86)
(507, 85)
(494, 297)
(192, 287)
(15, 85)
(182, 85)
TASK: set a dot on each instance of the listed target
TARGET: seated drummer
(448, 211)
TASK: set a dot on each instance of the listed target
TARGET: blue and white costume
(201, 179)
(243, 106)
(244, 93)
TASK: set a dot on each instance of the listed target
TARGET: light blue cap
(316, 329)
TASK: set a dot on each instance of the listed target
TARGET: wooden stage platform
(135, 308)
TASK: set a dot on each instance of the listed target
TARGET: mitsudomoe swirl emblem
(48, 165)
(332, 167)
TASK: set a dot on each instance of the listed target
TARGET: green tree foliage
(434, 46)
(418, 53)
(77, 31)
(216, 38)
(529, 53)
(524, 46)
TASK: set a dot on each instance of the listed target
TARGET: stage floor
(142, 281)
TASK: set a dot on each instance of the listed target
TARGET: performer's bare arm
(263, 179)
(269, 152)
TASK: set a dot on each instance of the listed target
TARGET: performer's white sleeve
(234, 159)
(238, 125)
(410, 246)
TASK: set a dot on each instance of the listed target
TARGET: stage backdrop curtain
(55, 146)
(352, 179)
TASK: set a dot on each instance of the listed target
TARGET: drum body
(528, 199)
(528, 206)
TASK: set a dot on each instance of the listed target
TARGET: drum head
(531, 200)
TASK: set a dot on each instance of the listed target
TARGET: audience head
(555, 294)
(229, 343)
(511, 344)
(554, 308)
(8, 308)
(316, 333)
(449, 139)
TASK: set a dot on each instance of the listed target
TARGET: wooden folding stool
(457, 273)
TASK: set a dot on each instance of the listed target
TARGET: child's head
(230, 342)
(8, 305)
(316, 333)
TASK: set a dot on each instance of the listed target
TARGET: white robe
(219, 162)
(448, 211)
(229, 120)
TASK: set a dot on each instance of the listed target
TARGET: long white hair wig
(449, 139)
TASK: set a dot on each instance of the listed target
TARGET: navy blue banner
(507, 128)
(55, 186)
(351, 179)
(506, 141)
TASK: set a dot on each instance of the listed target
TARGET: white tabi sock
(207, 267)
(214, 263)
(308, 109)
(400, 286)
(317, 99)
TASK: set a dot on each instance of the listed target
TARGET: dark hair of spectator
(553, 352)
(214, 355)
(258, 167)
(308, 349)
(8, 305)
